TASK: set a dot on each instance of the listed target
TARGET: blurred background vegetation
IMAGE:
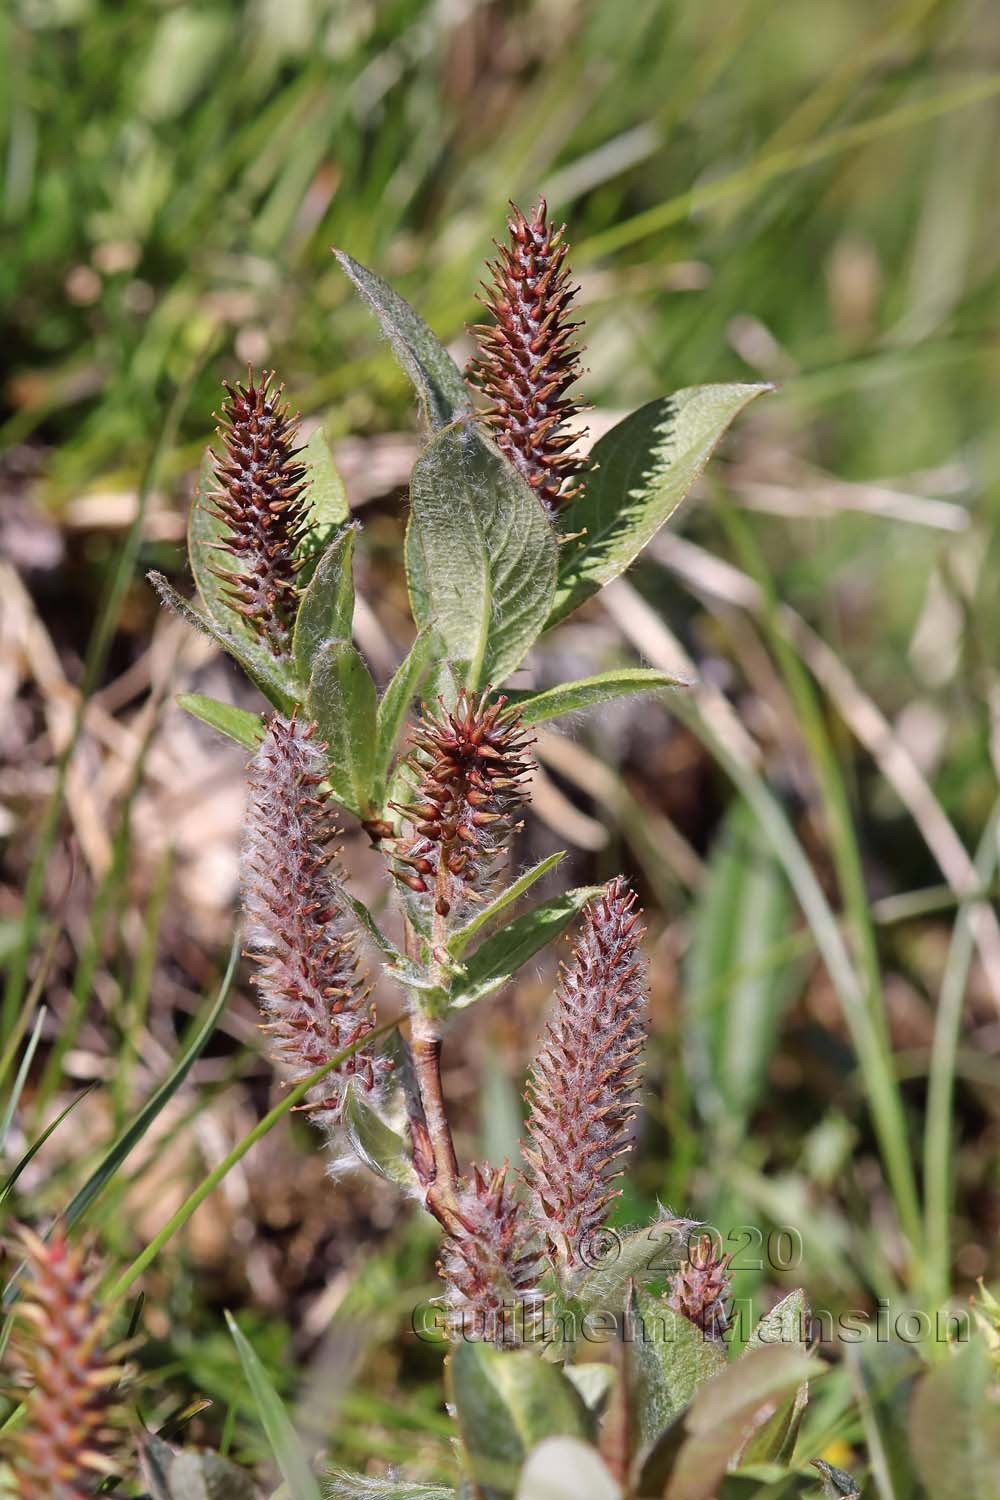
(799, 192)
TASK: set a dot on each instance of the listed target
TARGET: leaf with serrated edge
(326, 609)
(376, 1143)
(265, 671)
(395, 703)
(235, 723)
(489, 553)
(641, 471)
(572, 697)
(506, 1403)
(500, 957)
(460, 940)
(442, 392)
(563, 1468)
(342, 701)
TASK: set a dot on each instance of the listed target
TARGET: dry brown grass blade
(713, 579)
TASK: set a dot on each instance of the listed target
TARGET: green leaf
(236, 723)
(394, 706)
(342, 701)
(158, 1101)
(785, 1326)
(326, 609)
(668, 1359)
(500, 957)
(595, 1383)
(39, 1142)
(205, 535)
(130, 1138)
(654, 1251)
(735, 992)
(571, 697)
(280, 1433)
(375, 1143)
(506, 1403)
(563, 1468)
(442, 392)
(325, 501)
(365, 919)
(488, 553)
(170, 1475)
(955, 1426)
(641, 471)
(725, 1409)
(265, 671)
(460, 940)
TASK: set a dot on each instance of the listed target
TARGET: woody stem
(425, 1047)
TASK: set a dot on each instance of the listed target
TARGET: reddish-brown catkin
(314, 999)
(702, 1289)
(468, 767)
(259, 499)
(585, 1080)
(490, 1262)
(528, 359)
(72, 1436)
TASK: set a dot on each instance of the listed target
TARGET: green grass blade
(97, 653)
(130, 1138)
(277, 1425)
(37, 1145)
(211, 1182)
(939, 1154)
(22, 1077)
(876, 1058)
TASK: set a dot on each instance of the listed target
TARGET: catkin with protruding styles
(528, 359)
(490, 1262)
(73, 1431)
(259, 500)
(468, 766)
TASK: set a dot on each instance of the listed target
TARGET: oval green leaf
(487, 553)
(572, 697)
(507, 1402)
(438, 382)
(236, 724)
(326, 609)
(641, 471)
(342, 701)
